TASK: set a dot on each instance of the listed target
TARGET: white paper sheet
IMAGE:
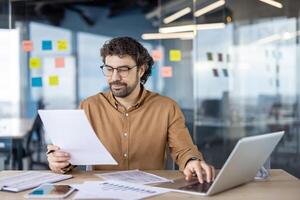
(115, 190)
(72, 132)
(134, 176)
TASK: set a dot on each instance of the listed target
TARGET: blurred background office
(233, 66)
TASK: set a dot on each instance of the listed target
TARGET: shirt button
(125, 155)
(125, 134)
(126, 114)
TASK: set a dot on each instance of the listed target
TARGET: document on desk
(134, 176)
(72, 132)
(115, 190)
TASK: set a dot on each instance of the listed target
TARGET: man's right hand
(57, 159)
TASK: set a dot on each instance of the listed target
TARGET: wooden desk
(280, 186)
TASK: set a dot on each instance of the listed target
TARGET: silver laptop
(245, 160)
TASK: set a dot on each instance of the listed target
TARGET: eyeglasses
(122, 71)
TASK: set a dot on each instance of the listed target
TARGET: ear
(142, 70)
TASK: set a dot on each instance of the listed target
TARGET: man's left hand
(204, 171)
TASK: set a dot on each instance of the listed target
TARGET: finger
(208, 171)
(213, 173)
(198, 171)
(53, 157)
(188, 174)
(52, 147)
(60, 153)
(58, 159)
(60, 165)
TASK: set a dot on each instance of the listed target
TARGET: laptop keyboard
(197, 187)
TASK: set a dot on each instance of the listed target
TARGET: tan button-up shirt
(137, 138)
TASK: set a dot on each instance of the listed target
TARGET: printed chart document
(72, 132)
(29, 179)
(115, 190)
(134, 176)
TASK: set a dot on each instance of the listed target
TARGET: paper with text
(72, 132)
(115, 190)
(134, 176)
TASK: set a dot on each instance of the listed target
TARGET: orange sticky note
(166, 72)
(53, 80)
(62, 45)
(34, 63)
(156, 55)
(60, 62)
(27, 45)
(175, 55)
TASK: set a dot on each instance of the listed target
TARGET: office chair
(35, 143)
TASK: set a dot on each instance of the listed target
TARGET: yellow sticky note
(34, 63)
(53, 80)
(175, 55)
(62, 45)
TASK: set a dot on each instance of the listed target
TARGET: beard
(122, 90)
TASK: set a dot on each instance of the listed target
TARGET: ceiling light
(160, 36)
(177, 15)
(272, 3)
(278, 37)
(191, 27)
(209, 8)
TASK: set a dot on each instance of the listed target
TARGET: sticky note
(46, 45)
(27, 45)
(215, 73)
(53, 80)
(60, 62)
(225, 72)
(156, 55)
(209, 56)
(36, 82)
(175, 55)
(62, 45)
(166, 72)
(34, 63)
(220, 57)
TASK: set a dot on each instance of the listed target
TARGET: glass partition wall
(238, 75)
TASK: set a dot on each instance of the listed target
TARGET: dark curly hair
(122, 46)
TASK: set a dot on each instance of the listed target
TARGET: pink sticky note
(27, 45)
(156, 55)
(60, 62)
(166, 72)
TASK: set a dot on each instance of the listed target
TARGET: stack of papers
(134, 176)
(27, 180)
(115, 190)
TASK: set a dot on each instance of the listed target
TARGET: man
(134, 124)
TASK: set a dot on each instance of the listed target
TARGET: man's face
(122, 86)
